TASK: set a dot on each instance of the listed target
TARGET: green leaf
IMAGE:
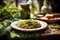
(13, 34)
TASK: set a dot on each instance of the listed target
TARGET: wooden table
(52, 35)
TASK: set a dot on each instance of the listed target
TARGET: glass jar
(25, 12)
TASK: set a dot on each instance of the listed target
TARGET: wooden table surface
(51, 35)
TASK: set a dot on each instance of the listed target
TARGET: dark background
(55, 5)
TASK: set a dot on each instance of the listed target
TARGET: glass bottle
(49, 8)
(46, 8)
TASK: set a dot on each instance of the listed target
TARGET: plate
(48, 21)
(54, 19)
(43, 26)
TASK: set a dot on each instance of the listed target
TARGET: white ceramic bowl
(43, 26)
